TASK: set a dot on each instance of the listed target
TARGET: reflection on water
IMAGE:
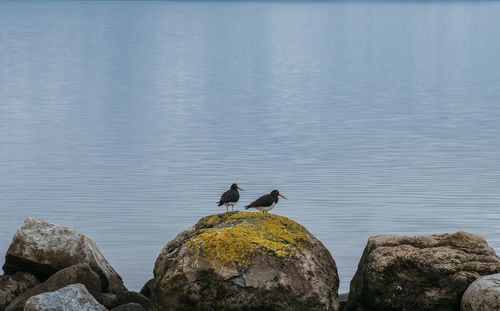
(127, 120)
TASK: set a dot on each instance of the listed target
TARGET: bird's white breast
(266, 208)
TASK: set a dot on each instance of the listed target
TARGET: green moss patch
(234, 239)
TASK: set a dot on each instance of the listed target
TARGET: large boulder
(483, 294)
(13, 285)
(80, 273)
(70, 298)
(243, 261)
(419, 273)
(43, 248)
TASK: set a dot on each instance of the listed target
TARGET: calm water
(127, 120)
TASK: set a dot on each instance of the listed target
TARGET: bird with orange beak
(266, 202)
(230, 197)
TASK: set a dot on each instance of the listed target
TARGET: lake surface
(126, 120)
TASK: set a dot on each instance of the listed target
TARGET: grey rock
(80, 273)
(242, 261)
(132, 306)
(131, 296)
(419, 273)
(483, 294)
(147, 289)
(13, 285)
(43, 248)
(70, 298)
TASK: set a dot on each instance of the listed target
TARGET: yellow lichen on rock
(233, 239)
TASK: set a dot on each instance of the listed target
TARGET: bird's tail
(247, 207)
(220, 203)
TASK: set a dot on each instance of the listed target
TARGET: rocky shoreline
(240, 261)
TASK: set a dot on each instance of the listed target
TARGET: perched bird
(230, 197)
(266, 202)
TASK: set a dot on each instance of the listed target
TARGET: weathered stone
(147, 289)
(43, 248)
(131, 296)
(243, 261)
(132, 306)
(483, 294)
(70, 298)
(13, 285)
(419, 273)
(80, 273)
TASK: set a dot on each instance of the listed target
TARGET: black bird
(266, 202)
(230, 197)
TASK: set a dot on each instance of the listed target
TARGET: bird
(266, 202)
(230, 197)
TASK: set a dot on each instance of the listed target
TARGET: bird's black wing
(229, 196)
(265, 200)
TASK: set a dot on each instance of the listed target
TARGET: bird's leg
(227, 208)
(263, 214)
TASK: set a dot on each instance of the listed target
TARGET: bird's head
(276, 192)
(235, 187)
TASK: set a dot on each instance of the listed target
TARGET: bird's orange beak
(282, 196)
(240, 188)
